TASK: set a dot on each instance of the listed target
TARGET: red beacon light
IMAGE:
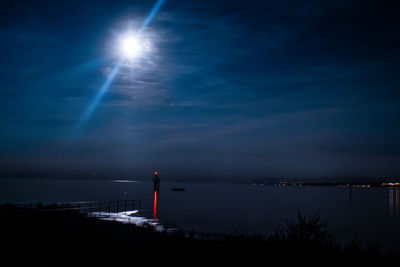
(156, 173)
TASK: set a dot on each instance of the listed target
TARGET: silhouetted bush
(309, 230)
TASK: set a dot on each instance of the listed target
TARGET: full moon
(130, 46)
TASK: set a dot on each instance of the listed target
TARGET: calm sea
(362, 213)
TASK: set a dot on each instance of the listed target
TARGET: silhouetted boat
(178, 189)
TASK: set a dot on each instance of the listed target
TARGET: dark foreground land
(33, 237)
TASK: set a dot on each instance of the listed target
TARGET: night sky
(224, 90)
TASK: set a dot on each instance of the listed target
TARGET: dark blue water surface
(365, 214)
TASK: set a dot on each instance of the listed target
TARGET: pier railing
(90, 208)
(101, 207)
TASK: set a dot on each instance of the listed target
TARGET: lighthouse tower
(156, 181)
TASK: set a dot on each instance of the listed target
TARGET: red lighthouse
(156, 181)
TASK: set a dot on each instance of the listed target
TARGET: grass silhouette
(34, 237)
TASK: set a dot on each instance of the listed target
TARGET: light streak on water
(397, 200)
(155, 205)
(394, 201)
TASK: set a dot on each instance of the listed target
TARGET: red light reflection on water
(155, 205)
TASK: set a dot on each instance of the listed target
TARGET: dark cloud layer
(231, 89)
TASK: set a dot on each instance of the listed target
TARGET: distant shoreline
(337, 184)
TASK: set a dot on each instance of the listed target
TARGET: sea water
(364, 214)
